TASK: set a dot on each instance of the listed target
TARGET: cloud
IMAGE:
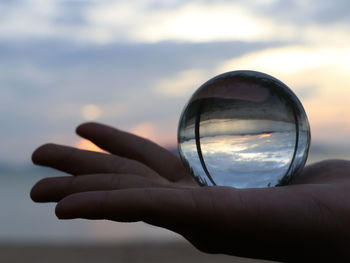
(325, 69)
(309, 11)
(43, 92)
(291, 59)
(193, 21)
(107, 21)
(154, 54)
(181, 84)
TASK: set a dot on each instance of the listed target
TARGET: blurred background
(133, 65)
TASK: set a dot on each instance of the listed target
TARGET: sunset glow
(265, 135)
(154, 133)
(135, 64)
(90, 112)
(87, 145)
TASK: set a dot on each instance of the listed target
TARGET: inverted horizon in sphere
(244, 129)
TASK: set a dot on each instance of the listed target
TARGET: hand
(141, 181)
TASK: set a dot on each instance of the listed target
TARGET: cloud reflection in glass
(244, 129)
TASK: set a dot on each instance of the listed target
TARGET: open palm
(141, 181)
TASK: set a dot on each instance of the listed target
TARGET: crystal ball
(244, 129)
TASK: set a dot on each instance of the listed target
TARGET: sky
(135, 64)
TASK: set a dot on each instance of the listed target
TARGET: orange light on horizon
(150, 131)
(87, 145)
(265, 135)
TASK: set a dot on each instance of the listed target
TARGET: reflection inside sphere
(244, 129)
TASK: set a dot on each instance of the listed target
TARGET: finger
(134, 147)
(185, 205)
(53, 189)
(263, 223)
(78, 162)
(264, 213)
(128, 205)
(199, 215)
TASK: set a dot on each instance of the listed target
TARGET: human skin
(306, 221)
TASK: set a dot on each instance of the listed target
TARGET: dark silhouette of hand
(308, 220)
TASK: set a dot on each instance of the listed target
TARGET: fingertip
(89, 128)
(40, 154)
(86, 127)
(61, 214)
(78, 205)
(65, 208)
(33, 194)
(45, 190)
(40, 190)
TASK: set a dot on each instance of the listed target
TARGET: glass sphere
(243, 129)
